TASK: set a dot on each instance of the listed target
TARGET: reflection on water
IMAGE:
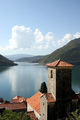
(26, 78)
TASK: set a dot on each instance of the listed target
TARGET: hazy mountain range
(33, 59)
(69, 53)
(17, 56)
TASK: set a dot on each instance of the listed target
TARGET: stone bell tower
(59, 79)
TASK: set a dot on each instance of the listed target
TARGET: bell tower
(59, 79)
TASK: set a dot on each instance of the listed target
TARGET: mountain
(6, 62)
(70, 53)
(17, 56)
(30, 59)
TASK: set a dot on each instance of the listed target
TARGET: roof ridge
(58, 62)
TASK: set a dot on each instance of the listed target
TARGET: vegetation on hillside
(69, 53)
(10, 115)
(6, 62)
(30, 59)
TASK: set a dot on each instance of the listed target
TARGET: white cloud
(65, 39)
(77, 35)
(40, 47)
(49, 36)
(54, 43)
(38, 36)
(22, 37)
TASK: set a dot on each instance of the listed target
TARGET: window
(51, 74)
(43, 103)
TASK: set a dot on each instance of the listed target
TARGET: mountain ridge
(69, 53)
(17, 56)
(33, 59)
(6, 62)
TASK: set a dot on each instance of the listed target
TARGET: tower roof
(59, 63)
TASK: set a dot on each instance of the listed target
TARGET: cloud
(77, 35)
(54, 43)
(38, 36)
(22, 37)
(49, 36)
(65, 39)
(40, 47)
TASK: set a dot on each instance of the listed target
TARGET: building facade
(60, 98)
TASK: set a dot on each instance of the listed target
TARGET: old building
(33, 104)
(60, 98)
(55, 104)
(16, 107)
(18, 99)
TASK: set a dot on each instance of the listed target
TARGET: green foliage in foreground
(43, 88)
(10, 115)
(74, 115)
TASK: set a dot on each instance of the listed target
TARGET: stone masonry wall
(52, 81)
(29, 108)
(43, 108)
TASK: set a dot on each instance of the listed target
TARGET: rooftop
(59, 63)
(49, 97)
(32, 115)
(34, 102)
(13, 106)
(18, 99)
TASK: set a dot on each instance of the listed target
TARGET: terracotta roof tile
(34, 102)
(18, 99)
(59, 63)
(14, 106)
(31, 115)
(49, 97)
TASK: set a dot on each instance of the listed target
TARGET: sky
(37, 27)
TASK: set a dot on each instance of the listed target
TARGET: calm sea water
(26, 78)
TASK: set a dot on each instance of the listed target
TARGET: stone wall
(43, 108)
(29, 108)
(52, 81)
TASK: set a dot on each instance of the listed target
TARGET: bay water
(25, 79)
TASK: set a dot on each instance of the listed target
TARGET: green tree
(43, 88)
(10, 115)
(74, 115)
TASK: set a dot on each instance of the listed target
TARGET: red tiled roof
(6, 102)
(49, 97)
(14, 106)
(18, 99)
(59, 63)
(34, 102)
(31, 115)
